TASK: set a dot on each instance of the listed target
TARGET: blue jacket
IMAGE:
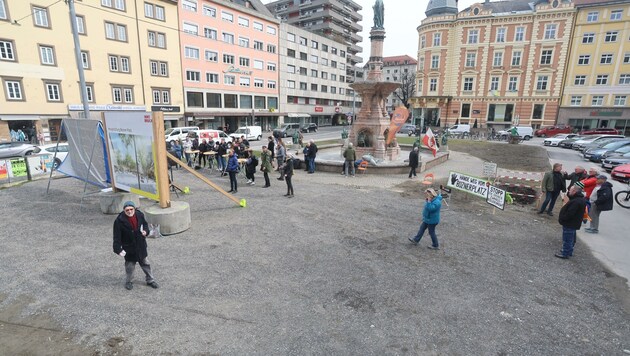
(431, 212)
(232, 165)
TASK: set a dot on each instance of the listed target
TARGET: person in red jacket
(590, 182)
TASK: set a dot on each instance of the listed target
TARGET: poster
(399, 117)
(489, 169)
(39, 165)
(469, 184)
(132, 161)
(17, 168)
(4, 173)
(496, 197)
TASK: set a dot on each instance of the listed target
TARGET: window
(465, 110)
(212, 56)
(192, 53)
(228, 38)
(271, 30)
(154, 11)
(303, 41)
(40, 17)
(243, 22)
(85, 60)
(537, 113)
(500, 35)
(324, 61)
(212, 78)
(230, 101)
(437, 39)
(47, 55)
(550, 31)
(6, 50)
(324, 75)
(81, 24)
(468, 84)
(53, 91)
(626, 58)
(324, 88)
(542, 82)
(193, 76)
(259, 83)
(229, 79)
(588, 37)
(433, 84)
(122, 94)
(189, 5)
(611, 36)
(592, 16)
(435, 61)
(314, 58)
(314, 73)
(579, 80)
(519, 35)
(246, 101)
(471, 58)
(209, 11)
(213, 100)
(228, 59)
(494, 83)
(497, 61)
(546, 56)
(210, 33)
(473, 36)
(601, 79)
(259, 102)
(271, 84)
(243, 61)
(314, 44)
(226, 16)
(303, 56)
(271, 48)
(620, 100)
(116, 32)
(291, 84)
(597, 100)
(314, 87)
(243, 42)
(89, 91)
(190, 28)
(324, 48)
(303, 86)
(158, 69)
(290, 68)
(13, 89)
(606, 58)
(624, 79)
(258, 64)
(258, 26)
(290, 37)
(333, 64)
(161, 96)
(423, 41)
(244, 81)
(3, 11)
(584, 59)
(576, 100)
(516, 58)
(271, 67)
(615, 15)
(291, 53)
(513, 84)
(333, 77)
(258, 45)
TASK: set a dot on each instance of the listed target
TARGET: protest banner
(496, 197)
(469, 184)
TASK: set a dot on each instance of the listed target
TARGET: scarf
(133, 220)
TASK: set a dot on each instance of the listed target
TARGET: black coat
(572, 212)
(604, 200)
(134, 244)
(574, 177)
(288, 168)
(413, 159)
(312, 151)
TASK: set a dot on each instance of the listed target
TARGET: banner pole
(161, 163)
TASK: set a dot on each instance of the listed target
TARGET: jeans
(594, 214)
(222, 163)
(412, 171)
(289, 185)
(233, 182)
(568, 241)
(551, 200)
(310, 163)
(130, 266)
(266, 175)
(349, 167)
(420, 233)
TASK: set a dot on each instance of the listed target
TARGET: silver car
(17, 149)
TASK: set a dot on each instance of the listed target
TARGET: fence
(524, 186)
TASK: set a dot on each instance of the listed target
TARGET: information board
(469, 184)
(496, 197)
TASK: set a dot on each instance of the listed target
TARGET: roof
(437, 7)
(586, 3)
(506, 6)
(399, 60)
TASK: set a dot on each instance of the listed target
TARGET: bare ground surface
(328, 272)
(519, 157)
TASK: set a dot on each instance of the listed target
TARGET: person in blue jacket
(430, 218)
(232, 169)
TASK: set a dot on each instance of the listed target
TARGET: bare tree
(407, 88)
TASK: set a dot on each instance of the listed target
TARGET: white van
(178, 133)
(210, 135)
(459, 129)
(250, 132)
(525, 132)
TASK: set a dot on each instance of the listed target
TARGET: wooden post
(161, 165)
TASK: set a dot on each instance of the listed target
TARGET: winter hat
(579, 185)
(601, 176)
(129, 203)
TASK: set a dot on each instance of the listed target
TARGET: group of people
(589, 193)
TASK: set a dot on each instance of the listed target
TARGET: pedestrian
(287, 170)
(250, 167)
(40, 138)
(306, 158)
(589, 183)
(312, 154)
(414, 159)
(232, 169)
(552, 184)
(350, 156)
(187, 147)
(570, 218)
(203, 148)
(578, 174)
(601, 200)
(177, 148)
(221, 152)
(130, 231)
(280, 156)
(271, 145)
(430, 218)
(266, 165)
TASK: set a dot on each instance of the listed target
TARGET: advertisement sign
(39, 165)
(489, 169)
(398, 119)
(132, 161)
(4, 172)
(17, 168)
(469, 184)
(319, 109)
(496, 197)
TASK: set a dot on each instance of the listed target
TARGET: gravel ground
(329, 272)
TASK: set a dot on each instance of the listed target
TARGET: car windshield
(168, 132)
(561, 136)
(615, 144)
(241, 131)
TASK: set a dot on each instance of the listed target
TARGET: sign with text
(469, 184)
(17, 167)
(489, 169)
(496, 197)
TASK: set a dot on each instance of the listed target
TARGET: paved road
(611, 245)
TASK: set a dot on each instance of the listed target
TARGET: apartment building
(313, 86)
(497, 63)
(120, 42)
(399, 69)
(597, 83)
(230, 61)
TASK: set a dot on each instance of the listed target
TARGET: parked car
(600, 131)
(611, 162)
(616, 153)
(595, 154)
(408, 129)
(601, 143)
(178, 133)
(555, 140)
(250, 132)
(549, 131)
(62, 152)
(525, 132)
(312, 127)
(568, 143)
(621, 173)
(17, 149)
(458, 129)
(286, 130)
(579, 144)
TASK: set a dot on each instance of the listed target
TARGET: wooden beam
(161, 164)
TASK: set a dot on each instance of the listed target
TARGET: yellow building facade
(129, 53)
(597, 82)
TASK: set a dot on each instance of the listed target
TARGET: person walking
(187, 147)
(430, 218)
(221, 152)
(271, 145)
(203, 148)
(601, 200)
(266, 165)
(414, 160)
(552, 184)
(570, 218)
(306, 158)
(312, 154)
(232, 169)
(250, 166)
(350, 156)
(280, 156)
(287, 170)
(130, 231)
(578, 174)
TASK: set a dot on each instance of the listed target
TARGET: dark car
(617, 153)
(408, 129)
(611, 162)
(286, 130)
(17, 149)
(568, 143)
(600, 131)
(312, 127)
(595, 154)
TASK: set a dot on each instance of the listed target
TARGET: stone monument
(367, 132)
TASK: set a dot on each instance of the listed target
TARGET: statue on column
(379, 14)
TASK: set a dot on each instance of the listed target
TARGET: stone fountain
(367, 132)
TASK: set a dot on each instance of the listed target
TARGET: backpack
(254, 161)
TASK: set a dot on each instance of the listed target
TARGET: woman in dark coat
(232, 169)
(130, 231)
(288, 173)
(413, 161)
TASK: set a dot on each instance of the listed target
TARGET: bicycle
(623, 198)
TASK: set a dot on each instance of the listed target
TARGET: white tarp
(85, 139)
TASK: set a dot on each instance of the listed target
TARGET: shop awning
(297, 114)
(19, 117)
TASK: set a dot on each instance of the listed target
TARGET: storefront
(589, 118)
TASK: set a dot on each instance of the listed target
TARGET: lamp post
(79, 60)
(354, 95)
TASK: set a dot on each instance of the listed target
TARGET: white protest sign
(489, 169)
(472, 185)
(496, 197)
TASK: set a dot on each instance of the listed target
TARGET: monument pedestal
(112, 202)
(172, 220)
